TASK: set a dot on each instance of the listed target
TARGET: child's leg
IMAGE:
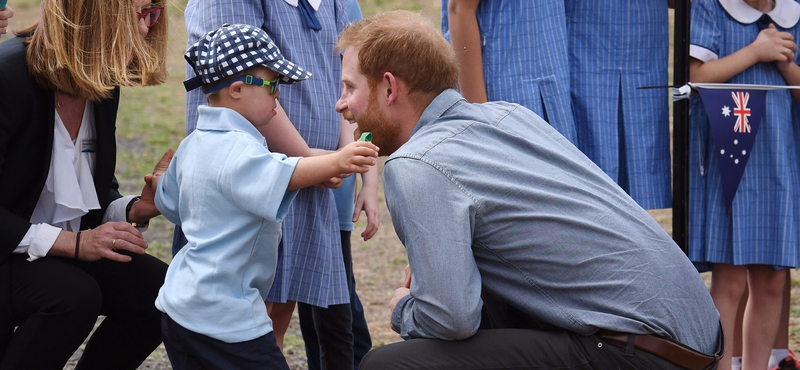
(780, 349)
(762, 314)
(281, 315)
(728, 283)
(737, 333)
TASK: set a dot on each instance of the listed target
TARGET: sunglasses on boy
(248, 80)
(150, 15)
(251, 80)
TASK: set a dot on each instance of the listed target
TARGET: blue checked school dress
(525, 57)
(762, 225)
(615, 47)
(310, 265)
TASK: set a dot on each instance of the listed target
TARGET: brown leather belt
(670, 351)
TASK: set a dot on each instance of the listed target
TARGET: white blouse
(69, 191)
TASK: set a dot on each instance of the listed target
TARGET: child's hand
(145, 208)
(772, 45)
(332, 183)
(354, 157)
(5, 15)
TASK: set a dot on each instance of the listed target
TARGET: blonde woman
(69, 248)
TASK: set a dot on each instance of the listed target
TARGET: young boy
(229, 194)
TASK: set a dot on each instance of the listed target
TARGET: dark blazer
(26, 142)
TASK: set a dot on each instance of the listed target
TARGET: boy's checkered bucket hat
(235, 48)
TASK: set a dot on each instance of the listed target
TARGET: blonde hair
(405, 44)
(86, 48)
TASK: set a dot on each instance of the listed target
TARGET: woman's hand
(101, 242)
(145, 208)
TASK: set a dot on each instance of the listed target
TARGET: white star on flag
(726, 111)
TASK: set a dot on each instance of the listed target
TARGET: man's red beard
(385, 131)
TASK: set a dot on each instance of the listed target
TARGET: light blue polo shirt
(228, 193)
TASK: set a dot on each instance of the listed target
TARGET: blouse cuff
(117, 211)
(44, 237)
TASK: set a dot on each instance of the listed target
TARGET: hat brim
(289, 72)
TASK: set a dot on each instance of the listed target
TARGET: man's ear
(234, 90)
(391, 87)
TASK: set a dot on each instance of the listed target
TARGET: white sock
(736, 363)
(776, 356)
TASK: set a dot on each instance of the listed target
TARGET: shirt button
(599, 344)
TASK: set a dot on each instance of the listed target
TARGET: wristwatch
(128, 212)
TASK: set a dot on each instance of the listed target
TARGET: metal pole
(680, 129)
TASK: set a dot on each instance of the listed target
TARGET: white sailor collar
(785, 14)
(314, 3)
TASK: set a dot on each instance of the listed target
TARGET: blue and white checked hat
(235, 48)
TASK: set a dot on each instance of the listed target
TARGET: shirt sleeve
(704, 42)
(258, 182)
(435, 219)
(39, 239)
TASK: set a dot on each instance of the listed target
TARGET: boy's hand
(354, 157)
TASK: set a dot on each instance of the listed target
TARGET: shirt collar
(785, 14)
(314, 3)
(225, 119)
(441, 104)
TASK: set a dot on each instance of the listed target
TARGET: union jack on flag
(741, 111)
(733, 148)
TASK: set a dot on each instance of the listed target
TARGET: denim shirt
(489, 196)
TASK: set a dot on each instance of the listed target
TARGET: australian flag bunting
(734, 115)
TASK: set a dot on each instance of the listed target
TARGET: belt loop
(630, 345)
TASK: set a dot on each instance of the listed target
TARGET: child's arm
(367, 198)
(466, 40)
(769, 46)
(282, 136)
(314, 170)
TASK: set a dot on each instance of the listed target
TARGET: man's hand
(398, 295)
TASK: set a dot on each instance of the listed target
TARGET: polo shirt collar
(225, 119)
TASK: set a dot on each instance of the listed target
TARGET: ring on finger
(113, 242)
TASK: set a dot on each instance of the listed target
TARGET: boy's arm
(352, 158)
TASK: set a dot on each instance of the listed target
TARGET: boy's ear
(234, 90)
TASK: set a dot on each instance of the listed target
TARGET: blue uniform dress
(615, 47)
(524, 49)
(310, 266)
(762, 225)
